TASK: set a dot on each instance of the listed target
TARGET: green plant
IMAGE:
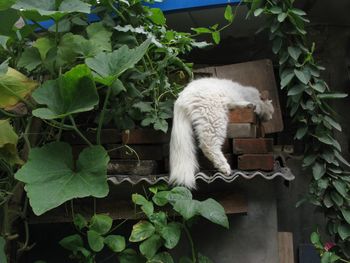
(123, 70)
(308, 96)
(155, 235)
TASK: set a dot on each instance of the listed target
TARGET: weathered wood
(285, 247)
(204, 72)
(255, 145)
(107, 136)
(242, 115)
(241, 130)
(258, 74)
(142, 167)
(144, 152)
(144, 136)
(233, 203)
(263, 162)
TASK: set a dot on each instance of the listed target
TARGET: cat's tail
(183, 161)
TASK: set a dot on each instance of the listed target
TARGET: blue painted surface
(176, 5)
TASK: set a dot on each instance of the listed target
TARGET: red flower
(329, 245)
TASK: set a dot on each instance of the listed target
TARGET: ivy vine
(308, 96)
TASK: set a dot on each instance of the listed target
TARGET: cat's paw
(226, 169)
(251, 106)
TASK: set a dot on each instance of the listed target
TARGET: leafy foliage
(307, 94)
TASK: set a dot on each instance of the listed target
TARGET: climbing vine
(308, 102)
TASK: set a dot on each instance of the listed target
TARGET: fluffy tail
(183, 162)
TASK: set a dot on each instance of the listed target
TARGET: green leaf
(62, 180)
(326, 257)
(332, 96)
(304, 76)
(296, 90)
(315, 240)
(79, 221)
(14, 87)
(3, 41)
(294, 52)
(341, 158)
(171, 234)
(301, 132)
(341, 187)
(161, 198)
(319, 86)
(6, 4)
(73, 92)
(95, 240)
(117, 87)
(202, 30)
(333, 123)
(158, 187)
(275, 10)
(101, 224)
(216, 37)
(141, 231)
(30, 59)
(115, 242)
(161, 125)
(150, 246)
(98, 34)
(337, 199)
(130, 256)
(327, 201)
(8, 18)
(258, 12)
(8, 143)
(281, 17)
(3, 257)
(318, 170)
(146, 206)
(346, 215)
(203, 259)
(276, 45)
(344, 231)
(111, 65)
(144, 106)
(159, 219)
(228, 14)
(163, 257)
(44, 44)
(157, 16)
(297, 11)
(72, 242)
(286, 78)
(214, 212)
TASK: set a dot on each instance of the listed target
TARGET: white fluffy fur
(203, 106)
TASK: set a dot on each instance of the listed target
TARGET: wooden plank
(145, 136)
(204, 72)
(233, 203)
(256, 145)
(258, 74)
(285, 247)
(107, 136)
(142, 167)
(263, 162)
(144, 152)
(241, 130)
(242, 115)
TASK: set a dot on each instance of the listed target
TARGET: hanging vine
(308, 96)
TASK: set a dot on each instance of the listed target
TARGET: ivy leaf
(150, 246)
(115, 242)
(8, 143)
(294, 52)
(95, 240)
(146, 206)
(228, 14)
(101, 224)
(163, 257)
(73, 92)
(157, 16)
(341, 187)
(14, 87)
(171, 234)
(141, 231)
(318, 170)
(110, 65)
(304, 76)
(216, 37)
(344, 231)
(214, 212)
(62, 180)
(3, 257)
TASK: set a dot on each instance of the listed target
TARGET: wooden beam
(285, 247)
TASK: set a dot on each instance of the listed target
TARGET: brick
(205, 164)
(241, 130)
(134, 167)
(145, 136)
(242, 115)
(263, 162)
(145, 152)
(226, 147)
(255, 145)
(107, 136)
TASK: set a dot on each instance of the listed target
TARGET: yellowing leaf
(8, 143)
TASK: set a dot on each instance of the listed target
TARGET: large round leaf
(14, 87)
(8, 143)
(73, 92)
(51, 177)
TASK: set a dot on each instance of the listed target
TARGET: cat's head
(266, 110)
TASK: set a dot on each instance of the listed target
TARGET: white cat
(203, 106)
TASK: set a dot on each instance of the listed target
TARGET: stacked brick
(246, 147)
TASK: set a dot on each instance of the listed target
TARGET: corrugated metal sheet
(207, 176)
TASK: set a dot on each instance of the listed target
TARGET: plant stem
(100, 122)
(78, 131)
(60, 130)
(188, 234)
